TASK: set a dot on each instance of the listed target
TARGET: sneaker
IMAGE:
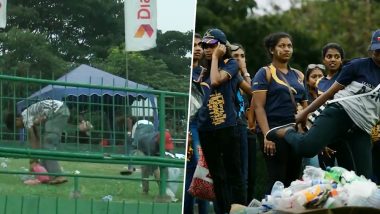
(278, 132)
(126, 172)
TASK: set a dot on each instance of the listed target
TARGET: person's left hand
(301, 118)
(219, 51)
(328, 151)
(242, 65)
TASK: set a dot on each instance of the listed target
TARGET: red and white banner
(140, 24)
(3, 13)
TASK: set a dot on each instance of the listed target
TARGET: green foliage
(46, 38)
(349, 23)
(173, 44)
(29, 54)
(78, 30)
(224, 14)
(144, 69)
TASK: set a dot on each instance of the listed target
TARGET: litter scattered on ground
(336, 187)
(107, 198)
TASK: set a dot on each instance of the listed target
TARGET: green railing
(47, 205)
(108, 142)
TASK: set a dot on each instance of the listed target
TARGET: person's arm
(302, 116)
(218, 77)
(245, 87)
(34, 139)
(251, 116)
(259, 100)
(243, 71)
(40, 119)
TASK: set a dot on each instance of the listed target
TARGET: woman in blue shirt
(275, 97)
(217, 121)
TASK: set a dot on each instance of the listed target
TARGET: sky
(177, 15)
(263, 6)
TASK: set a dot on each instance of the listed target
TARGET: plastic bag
(173, 174)
(202, 185)
(195, 98)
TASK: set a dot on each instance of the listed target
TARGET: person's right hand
(269, 147)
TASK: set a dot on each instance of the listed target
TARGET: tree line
(47, 38)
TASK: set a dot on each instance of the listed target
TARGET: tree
(78, 30)
(86, 32)
(144, 69)
(29, 55)
(349, 23)
(224, 14)
(174, 48)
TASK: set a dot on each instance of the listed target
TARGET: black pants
(376, 161)
(223, 159)
(252, 165)
(284, 166)
(330, 126)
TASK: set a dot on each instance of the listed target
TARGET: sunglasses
(312, 66)
(234, 47)
(205, 45)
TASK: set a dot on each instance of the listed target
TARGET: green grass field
(90, 188)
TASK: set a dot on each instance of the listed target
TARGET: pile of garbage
(335, 187)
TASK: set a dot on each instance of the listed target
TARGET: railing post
(76, 192)
(161, 116)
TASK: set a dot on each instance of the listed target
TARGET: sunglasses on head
(234, 47)
(312, 66)
(206, 45)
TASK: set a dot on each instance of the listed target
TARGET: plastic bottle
(299, 185)
(350, 176)
(332, 202)
(254, 210)
(107, 198)
(308, 194)
(313, 173)
(374, 199)
(277, 189)
(335, 173)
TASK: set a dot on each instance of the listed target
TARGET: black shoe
(126, 172)
(278, 132)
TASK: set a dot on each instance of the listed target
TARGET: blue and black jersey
(279, 106)
(218, 109)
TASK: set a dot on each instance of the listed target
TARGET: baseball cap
(213, 36)
(375, 41)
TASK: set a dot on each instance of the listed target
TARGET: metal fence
(110, 109)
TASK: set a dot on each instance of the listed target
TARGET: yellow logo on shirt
(216, 108)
